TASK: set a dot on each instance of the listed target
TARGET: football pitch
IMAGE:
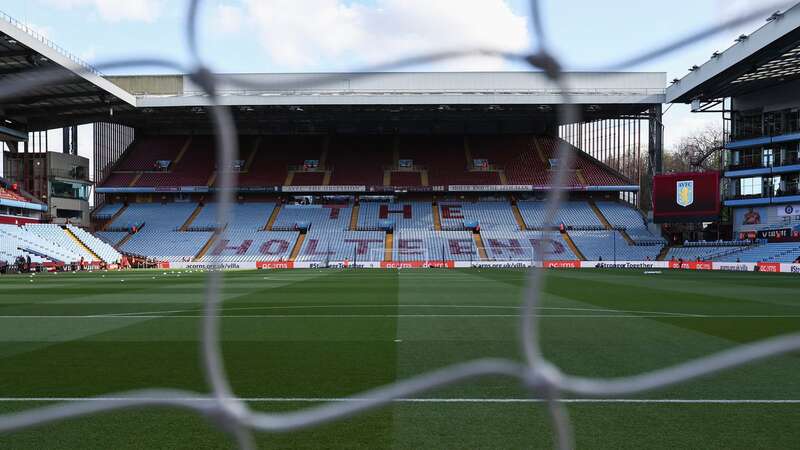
(293, 339)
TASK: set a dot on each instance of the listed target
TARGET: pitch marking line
(399, 316)
(420, 400)
(248, 308)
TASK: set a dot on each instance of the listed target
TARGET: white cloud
(117, 10)
(229, 18)
(339, 34)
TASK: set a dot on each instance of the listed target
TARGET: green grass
(330, 334)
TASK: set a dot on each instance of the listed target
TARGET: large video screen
(686, 197)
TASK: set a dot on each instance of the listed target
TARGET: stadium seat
(506, 245)
(321, 245)
(489, 215)
(426, 245)
(403, 215)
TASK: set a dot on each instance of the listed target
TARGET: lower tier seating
(166, 245)
(487, 214)
(415, 245)
(520, 245)
(328, 245)
(248, 245)
(610, 245)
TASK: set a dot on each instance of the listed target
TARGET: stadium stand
(145, 151)
(248, 245)
(243, 216)
(576, 215)
(11, 195)
(489, 215)
(359, 160)
(610, 245)
(166, 245)
(416, 245)
(324, 217)
(405, 178)
(19, 241)
(322, 245)
(56, 235)
(111, 237)
(412, 215)
(102, 249)
(519, 245)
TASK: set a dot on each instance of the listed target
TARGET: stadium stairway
(297, 246)
(354, 217)
(387, 177)
(289, 178)
(423, 177)
(113, 218)
(502, 174)
(252, 156)
(389, 245)
(437, 221)
(212, 179)
(273, 217)
(80, 243)
(572, 246)
(607, 224)
(476, 236)
(122, 241)
(662, 255)
(326, 179)
(181, 153)
(207, 247)
(518, 216)
(135, 179)
(191, 218)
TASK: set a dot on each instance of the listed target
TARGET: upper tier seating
(519, 245)
(243, 216)
(445, 159)
(11, 195)
(404, 215)
(120, 179)
(359, 160)
(490, 215)
(145, 151)
(593, 172)
(323, 217)
(418, 245)
(308, 178)
(274, 156)
(194, 169)
(405, 178)
(575, 215)
(332, 245)
(610, 245)
(249, 245)
(106, 252)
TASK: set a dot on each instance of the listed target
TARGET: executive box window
(64, 189)
(68, 214)
(750, 186)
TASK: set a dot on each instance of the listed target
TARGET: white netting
(545, 380)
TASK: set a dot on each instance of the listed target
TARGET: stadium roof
(82, 94)
(300, 101)
(767, 57)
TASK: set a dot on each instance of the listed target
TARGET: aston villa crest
(685, 193)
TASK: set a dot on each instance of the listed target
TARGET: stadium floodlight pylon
(545, 380)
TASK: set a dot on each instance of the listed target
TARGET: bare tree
(699, 152)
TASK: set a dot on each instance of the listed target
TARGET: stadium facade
(338, 168)
(754, 86)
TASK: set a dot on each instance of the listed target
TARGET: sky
(342, 35)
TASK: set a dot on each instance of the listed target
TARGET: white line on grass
(381, 316)
(424, 400)
(243, 308)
